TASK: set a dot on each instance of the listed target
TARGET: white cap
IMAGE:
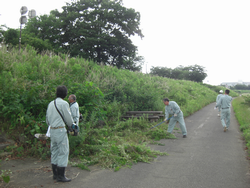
(221, 91)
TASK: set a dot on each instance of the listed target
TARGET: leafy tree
(241, 87)
(93, 29)
(179, 73)
(1, 33)
(161, 71)
(45, 27)
(11, 36)
(196, 73)
(39, 44)
(176, 73)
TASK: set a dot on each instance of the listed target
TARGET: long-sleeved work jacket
(53, 118)
(218, 97)
(224, 102)
(74, 109)
(171, 109)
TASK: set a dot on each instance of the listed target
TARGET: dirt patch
(35, 173)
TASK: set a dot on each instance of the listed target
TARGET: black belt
(225, 108)
(57, 127)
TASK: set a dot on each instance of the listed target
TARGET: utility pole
(23, 20)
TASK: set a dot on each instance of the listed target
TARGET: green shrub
(246, 99)
(28, 82)
(242, 110)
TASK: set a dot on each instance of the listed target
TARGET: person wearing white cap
(225, 103)
(217, 100)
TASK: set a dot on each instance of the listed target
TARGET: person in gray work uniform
(172, 108)
(58, 133)
(217, 100)
(74, 109)
(225, 103)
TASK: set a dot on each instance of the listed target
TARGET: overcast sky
(212, 33)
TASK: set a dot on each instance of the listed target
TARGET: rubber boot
(54, 168)
(61, 175)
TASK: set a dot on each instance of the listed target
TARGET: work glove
(165, 119)
(175, 115)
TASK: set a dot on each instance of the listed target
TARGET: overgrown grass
(5, 175)
(28, 81)
(241, 106)
(123, 144)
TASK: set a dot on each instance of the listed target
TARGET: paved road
(207, 158)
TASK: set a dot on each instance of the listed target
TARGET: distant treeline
(240, 87)
(194, 73)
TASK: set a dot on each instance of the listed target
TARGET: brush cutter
(160, 123)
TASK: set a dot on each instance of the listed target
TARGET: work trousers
(59, 147)
(173, 121)
(219, 110)
(225, 117)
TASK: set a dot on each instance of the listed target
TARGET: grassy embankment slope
(241, 106)
(28, 82)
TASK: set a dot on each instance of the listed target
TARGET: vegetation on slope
(28, 81)
(241, 106)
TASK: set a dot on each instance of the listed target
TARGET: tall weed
(28, 82)
(242, 110)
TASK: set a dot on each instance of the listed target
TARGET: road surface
(207, 158)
